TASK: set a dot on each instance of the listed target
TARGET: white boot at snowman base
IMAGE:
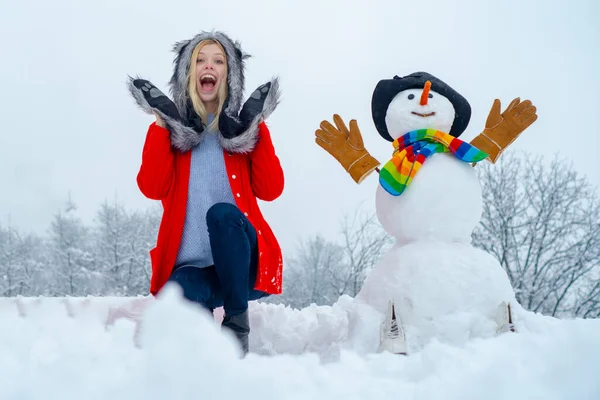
(504, 318)
(432, 269)
(392, 336)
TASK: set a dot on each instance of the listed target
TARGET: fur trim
(245, 142)
(183, 137)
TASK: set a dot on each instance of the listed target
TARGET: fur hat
(235, 71)
(387, 89)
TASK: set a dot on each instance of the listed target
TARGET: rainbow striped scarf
(413, 149)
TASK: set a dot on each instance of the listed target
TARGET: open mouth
(208, 83)
(424, 115)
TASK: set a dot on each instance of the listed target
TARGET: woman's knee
(223, 212)
(195, 285)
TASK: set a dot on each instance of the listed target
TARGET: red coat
(164, 175)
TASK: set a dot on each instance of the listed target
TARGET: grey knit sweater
(208, 185)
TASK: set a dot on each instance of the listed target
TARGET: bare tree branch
(540, 220)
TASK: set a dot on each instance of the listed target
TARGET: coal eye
(430, 96)
(411, 96)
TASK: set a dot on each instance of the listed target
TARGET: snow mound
(48, 352)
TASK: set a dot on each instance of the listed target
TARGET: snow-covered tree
(71, 266)
(322, 270)
(20, 262)
(363, 243)
(309, 276)
(141, 229)
(541, 220)
(108, 257)
(122, 242)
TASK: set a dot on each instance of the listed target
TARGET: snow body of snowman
(432, 279)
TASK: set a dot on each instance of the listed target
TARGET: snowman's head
(418, 101)
(414, 109)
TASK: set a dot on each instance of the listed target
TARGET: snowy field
(94, 348)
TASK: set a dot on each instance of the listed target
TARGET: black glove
(157, 99)
(232, 126)
(185, 134)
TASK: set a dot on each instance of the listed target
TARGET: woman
(208, 162)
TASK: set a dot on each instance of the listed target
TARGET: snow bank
(77, 348)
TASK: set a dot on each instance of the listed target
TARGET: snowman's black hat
(387, 89)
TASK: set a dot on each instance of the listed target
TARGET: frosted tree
(322, 270)
(541, 220)
(20, 264)
(122, 241)
(363, 243)
(309, 275)
(112, 247)
(141, 228)
(146, 240)
(111, 257)
(9, 264)
(71, 269)
(32, 265)
(588, 304)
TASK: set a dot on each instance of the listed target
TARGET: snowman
(432, 284)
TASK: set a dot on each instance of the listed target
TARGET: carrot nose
(425, 94)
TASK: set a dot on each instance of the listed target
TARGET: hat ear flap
(239, 53)
(179, 46)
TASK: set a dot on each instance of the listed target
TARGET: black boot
(240, 325)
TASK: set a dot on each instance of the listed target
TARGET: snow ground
(78, 348)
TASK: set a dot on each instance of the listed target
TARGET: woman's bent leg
(235, 253)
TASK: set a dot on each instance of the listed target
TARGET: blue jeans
(229, 283)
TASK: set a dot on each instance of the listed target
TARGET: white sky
(69, 124)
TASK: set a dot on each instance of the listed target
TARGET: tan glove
(503, 129)
(347, 147)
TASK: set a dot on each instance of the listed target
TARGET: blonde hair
(197, 103)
